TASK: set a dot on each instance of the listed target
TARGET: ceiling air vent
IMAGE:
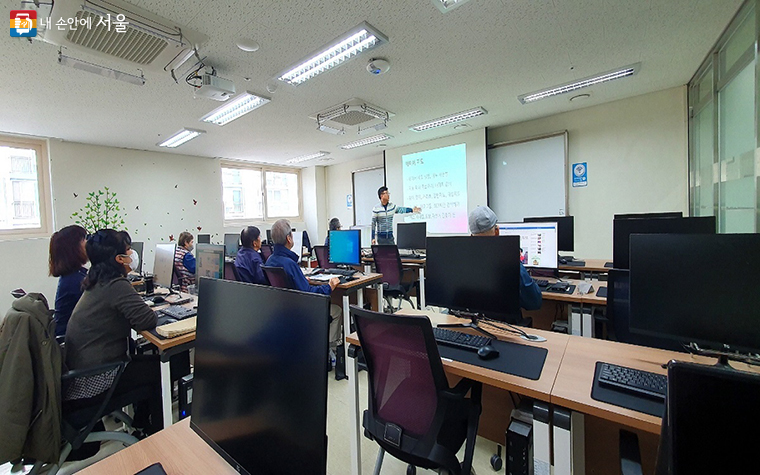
(354, 112)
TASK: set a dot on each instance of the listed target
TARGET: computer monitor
(297, 243)
(474, 274)
(209, 261)
(345, 247)
(538, 243)
(623, 228)
(163, 265)
(231, 244)
(269, 236)
(697, 288)
(138, 247)
(259, 388)
(669, 214)
(565, 230)
(411, 235)
(204, 239)
(366, 234)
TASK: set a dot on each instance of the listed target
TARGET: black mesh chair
(277, 277)
(266, 251)
(323, 258)
(413, 413)
(388, 262)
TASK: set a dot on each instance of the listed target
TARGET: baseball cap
(481, 219)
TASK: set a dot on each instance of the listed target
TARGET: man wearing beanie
(482, 221)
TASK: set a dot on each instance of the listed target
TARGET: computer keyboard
(558, 287)
(178, 312)
(408, 253)
(343, 272)
(460, 340)
(634, 380)
(542, 282)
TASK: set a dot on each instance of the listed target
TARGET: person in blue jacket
(67, 260)
(482, 221)
(248, 260)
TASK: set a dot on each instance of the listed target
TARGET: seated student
(333, 226)
(67, 260)
(99, 328)
(288, 260)
(184, 261)
(248, 260)
(482, 221)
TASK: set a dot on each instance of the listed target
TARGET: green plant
(102, 211)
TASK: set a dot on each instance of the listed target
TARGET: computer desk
(416, 263)
(581, 323)
(592, 265)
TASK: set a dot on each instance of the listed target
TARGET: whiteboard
(528, 178)
(366, 183)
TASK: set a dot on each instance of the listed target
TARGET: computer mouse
(488, 352)
(158, 299)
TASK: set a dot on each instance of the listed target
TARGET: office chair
(388, 262)
(323, 258)
(266, 251)
(277, 277)
(306, 242)
(230, 272)
(413, 413)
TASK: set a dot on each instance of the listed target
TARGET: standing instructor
(382, 217)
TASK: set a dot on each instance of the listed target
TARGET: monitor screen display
(538, 243)
(623, 228)
(669, 214)
(366, 235)
(163, 265)
(565, 230)
(259, 389)
(345, 247)
(209, 261)
(231, 244)
(138, 247)
(700, 288)
(204, 239)
(474, 274)
(411, 235)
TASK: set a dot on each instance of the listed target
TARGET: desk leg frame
(166, 392)
(422, 288)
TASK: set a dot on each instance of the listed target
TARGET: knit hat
(481, 219)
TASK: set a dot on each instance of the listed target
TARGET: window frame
(263, 169)
(44, 189)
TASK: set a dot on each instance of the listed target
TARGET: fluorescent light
(367, 141)
(585, 82)
(100, 70)
(449, 119)
(242, 104)
(448, 5)
(306, 158)
(181, 137)
(362, 38)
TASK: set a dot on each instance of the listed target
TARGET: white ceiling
(484, 53)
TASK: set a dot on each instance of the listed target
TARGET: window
(256, 193)
(24, 188)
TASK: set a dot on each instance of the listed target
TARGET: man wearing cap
(482, 221)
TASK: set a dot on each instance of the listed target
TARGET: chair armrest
(81, 373)
(460, 390)
(630, 455)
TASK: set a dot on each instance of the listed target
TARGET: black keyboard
(179, 312)
(558, 287)
(344, 272)
(460, 340)
(636, 381)
(542, 282)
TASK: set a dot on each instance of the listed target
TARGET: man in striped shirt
(382, 217)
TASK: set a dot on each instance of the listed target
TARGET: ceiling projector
(214, 87)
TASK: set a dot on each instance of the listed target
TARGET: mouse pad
(520, 360)
(602, 292)
(650, 406)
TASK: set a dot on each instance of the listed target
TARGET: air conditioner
(149, 42)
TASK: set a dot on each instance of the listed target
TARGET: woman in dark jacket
(67, 259)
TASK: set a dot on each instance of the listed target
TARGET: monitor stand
(472, 324)
(723, 356)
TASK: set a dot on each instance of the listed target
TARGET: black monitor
(411, 235)
(667, 214)
(259, 389)
(697, 288)
(269, 236)
(209, 261)
(623, 228)
(345, 247)
(204, 239)
(565, 230)
(231, 244)
(138, 247)
(474, 274)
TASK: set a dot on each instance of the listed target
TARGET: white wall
(314, 203)
(636, 150)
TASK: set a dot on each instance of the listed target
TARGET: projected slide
(436, 181)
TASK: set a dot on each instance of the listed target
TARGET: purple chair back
(230, 273)
(277, 277)
(323, 260)
(405, 369)
(266, 251)
(388, 263)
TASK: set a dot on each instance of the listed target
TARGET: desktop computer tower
(519, 456)
(185, 395)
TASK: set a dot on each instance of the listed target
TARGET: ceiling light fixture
(306, 158)
(100, 70)
(449, 119)
(367, 141)
(247, 44)
(448, 5)
(181, 137)
(362, 38)
(618, 73)
(242, 104)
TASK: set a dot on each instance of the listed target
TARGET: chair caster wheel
(496, 462)
(411, 470)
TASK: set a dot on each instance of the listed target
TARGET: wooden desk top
(179, 449)
(362, 281)
(539, 389)
(404, 261)
(165, 344)
(576, 296)
(592, 265)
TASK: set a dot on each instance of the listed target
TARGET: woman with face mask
(99, 328)
(67, 260)
(184, 261)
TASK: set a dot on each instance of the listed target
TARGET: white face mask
(135, 264)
